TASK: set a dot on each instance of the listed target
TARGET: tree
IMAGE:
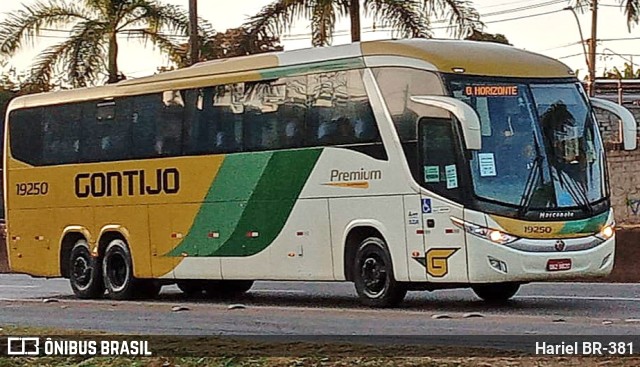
(631, 9)
(91, 48)
(408, 17)
(231, 43)
(237, 42)
(488, 37)
(626, 73)
(5, 97)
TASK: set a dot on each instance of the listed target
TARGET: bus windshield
(540, 149)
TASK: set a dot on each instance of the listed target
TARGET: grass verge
(239, 352)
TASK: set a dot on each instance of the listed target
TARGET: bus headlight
(606, 232)
(492, 235)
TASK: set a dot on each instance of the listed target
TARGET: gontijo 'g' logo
(438, 261)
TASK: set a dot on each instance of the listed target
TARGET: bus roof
(471, 57)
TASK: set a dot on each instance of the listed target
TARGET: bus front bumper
(539, 260)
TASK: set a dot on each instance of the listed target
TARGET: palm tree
(91, 47)
(631, 9)
(626, 73)
(408, 17)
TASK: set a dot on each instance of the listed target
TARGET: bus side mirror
(629, 125)
(463, 112)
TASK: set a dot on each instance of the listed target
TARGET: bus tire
(85, 275)
(117, 271)
(227, 288)
(190, 287)
(373, 275)
(495, 292)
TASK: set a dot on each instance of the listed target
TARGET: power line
(503, 4)
(509, 19)
(617, 39)
(568, 56)
(523, 8)
(597, 53)
(562, 46)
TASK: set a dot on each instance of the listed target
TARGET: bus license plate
(558, 264)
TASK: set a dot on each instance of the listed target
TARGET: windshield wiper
(532, 180)
(529, 188)
(576, 191)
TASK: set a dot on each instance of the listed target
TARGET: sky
(536, 25)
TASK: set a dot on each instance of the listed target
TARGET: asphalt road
(303, 308)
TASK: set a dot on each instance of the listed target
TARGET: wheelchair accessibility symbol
(426, 206)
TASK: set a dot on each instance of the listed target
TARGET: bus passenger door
(445, 255)
(440, 160)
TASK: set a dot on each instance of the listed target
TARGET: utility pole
(193, 32)
(592, 47)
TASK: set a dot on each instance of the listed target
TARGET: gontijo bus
(397, 165)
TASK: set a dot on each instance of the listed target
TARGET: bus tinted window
(106, 131)
(324, 109)
(26, 133)
(62, 134)
(168, 137)
(145, 113)
(212, 120)
(398, 85)
(340, 113)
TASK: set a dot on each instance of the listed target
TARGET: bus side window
(364, 123)
(106, 131)
(291, 126)
(26, 134)
(203, 131)
(62, 134)
(293, 113)
(144, 116)
(227, 129)
(190, 125)
(438, 158)
(168, 140)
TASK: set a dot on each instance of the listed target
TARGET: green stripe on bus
(589, 225)
(224, 203)
(253, 192)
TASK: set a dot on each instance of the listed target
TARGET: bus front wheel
(373, 275)
(495, 292)
(85, 275)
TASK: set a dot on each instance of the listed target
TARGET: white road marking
(19, 286)
(586, 298)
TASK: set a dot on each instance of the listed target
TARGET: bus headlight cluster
(606, 232)
(492, 235)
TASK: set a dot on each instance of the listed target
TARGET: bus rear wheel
(373, 275)
(495, 292)
(117, 271)
(227, 288)
(85, 274)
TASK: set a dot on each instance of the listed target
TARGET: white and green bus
(396, 165)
